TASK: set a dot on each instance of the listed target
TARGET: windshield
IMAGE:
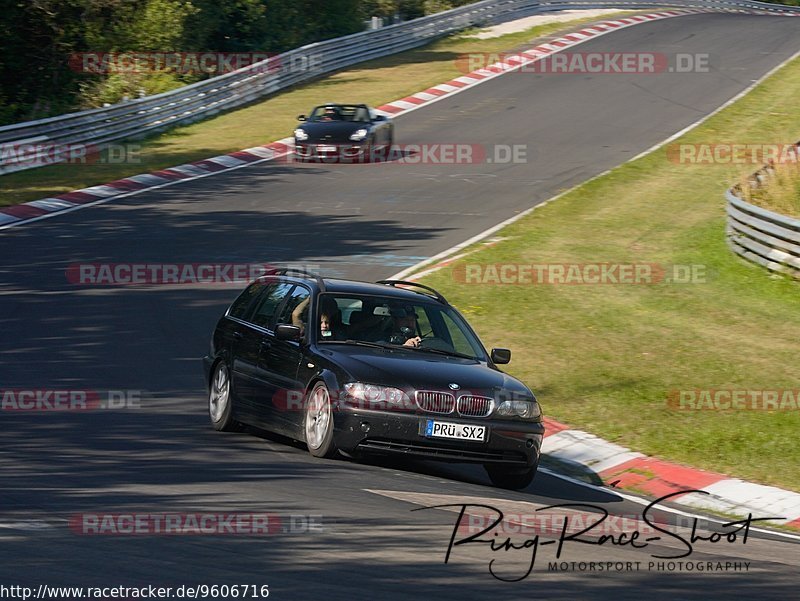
(392, 322)
(340, 112)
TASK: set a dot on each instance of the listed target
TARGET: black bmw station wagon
(353, 367)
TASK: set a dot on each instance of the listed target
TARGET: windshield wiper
(363, 343)
(443, 352)
(391, 346)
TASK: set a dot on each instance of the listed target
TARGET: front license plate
(323, 148)
(437, 429)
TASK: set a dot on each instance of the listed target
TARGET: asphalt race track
(361, 221)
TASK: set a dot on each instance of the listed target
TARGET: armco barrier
(762, 236)
(20, 142)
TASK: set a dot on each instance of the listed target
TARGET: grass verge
(374, 82)
(780, 193)
(605, 358)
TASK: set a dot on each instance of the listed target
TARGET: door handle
(266, 344)
(238, 335)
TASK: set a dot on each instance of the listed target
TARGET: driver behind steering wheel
(404, 326)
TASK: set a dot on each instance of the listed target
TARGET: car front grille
(475, 406)
(435, 402)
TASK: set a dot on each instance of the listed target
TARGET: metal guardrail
(20, 143)
(762, 236)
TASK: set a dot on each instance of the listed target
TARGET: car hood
(410, 369)
(331, 131)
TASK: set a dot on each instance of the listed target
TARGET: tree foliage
(38, 38)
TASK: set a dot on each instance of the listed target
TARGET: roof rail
(289, 271)
(394, 283)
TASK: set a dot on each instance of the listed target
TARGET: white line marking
(646, 502)
(486, 233)
(269, 154)
(133, 193)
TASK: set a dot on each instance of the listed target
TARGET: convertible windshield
(356, 113)
(392, 322)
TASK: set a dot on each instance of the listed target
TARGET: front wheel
(318, 422)
(368, 152)
(220, 405)
(514, 479)
(386, 149)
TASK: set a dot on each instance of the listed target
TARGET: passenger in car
(299, 313)
(331, 114)
(330, 319)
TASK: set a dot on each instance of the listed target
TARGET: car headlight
(300, 134)
(370, 396)
(523, 409)
(359, 135)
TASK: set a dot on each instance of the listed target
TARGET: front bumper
(512, 443)
(330, 151)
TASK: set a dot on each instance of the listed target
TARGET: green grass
(375, 83)
(604, 357)
(780, 193)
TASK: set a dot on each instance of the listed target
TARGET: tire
(318, 422)
(369, 150)
(386, 149)
(514, 479)
(220, 405)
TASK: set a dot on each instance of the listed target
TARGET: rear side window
(295, 299)
(241, 304)
(268, 304)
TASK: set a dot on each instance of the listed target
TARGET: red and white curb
(629, 470)
(613, 463)
(516, 62)
(44, 208)
(86, 197)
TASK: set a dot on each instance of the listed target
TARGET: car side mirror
(285, 331)
(301, 117)
(501, 356)
(381, 118)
